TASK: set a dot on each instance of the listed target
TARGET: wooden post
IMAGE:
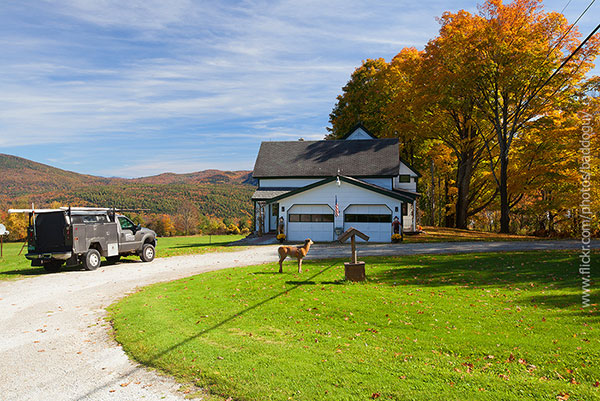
(355, 270)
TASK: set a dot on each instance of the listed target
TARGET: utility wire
(572, 25)
(559, 41)
(565, 7)
(561, 66)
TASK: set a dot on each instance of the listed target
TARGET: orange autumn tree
(481, 88)
(446, 87)
(361, 101)
(512, 49)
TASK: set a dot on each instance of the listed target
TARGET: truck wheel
(92, 260)
(113, 259)
(52, 267)
(148, 253)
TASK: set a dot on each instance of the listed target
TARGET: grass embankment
(451, 327)
(13, 265)
(445, 234)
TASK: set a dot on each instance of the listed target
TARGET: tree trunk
(463, 182)
(432, 193)
(504, 202)
(449, 216)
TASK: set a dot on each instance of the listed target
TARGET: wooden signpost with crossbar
(355, 270)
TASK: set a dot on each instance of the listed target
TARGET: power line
(565, 7)
(559, 41)
(572, 25)
(560, 67)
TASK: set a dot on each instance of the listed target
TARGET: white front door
(274, 214)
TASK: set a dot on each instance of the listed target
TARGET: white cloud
(78, 71)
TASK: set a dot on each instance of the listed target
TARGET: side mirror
(138, 227)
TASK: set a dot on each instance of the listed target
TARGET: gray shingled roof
(268, 193)
(378, 157)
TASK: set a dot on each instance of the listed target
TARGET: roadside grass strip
(504, 326)
(14, 266)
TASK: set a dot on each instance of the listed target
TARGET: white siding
(347, 194)
(358, 134)
(382, 182)
(286, 182)
(409, 186)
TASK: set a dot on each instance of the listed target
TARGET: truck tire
(91, 260)
(52, 267)
(148, 253)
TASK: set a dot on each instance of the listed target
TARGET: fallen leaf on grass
(562, 396)
(375, 395)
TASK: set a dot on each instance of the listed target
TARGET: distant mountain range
(213, 192)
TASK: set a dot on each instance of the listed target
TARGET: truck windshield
(126, 224)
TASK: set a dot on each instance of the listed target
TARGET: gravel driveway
(55, 344)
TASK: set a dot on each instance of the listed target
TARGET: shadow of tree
(555, 273)
(294, 285)
(560, 270)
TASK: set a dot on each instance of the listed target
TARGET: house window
(311, 218)
(367, 218)
(404, 178)
(405, 209)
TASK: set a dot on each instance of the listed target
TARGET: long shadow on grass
(213, 327)
(242, 312)
(536, 276)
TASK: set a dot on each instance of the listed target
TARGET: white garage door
(310, 221)
(373, 220)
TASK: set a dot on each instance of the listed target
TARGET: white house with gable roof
(322, 188)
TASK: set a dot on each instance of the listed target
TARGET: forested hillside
(179, 203)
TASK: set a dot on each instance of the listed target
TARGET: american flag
(337, 208)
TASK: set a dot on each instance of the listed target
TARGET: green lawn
(505, 326)
(13, 265)
(175, 246)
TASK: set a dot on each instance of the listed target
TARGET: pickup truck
(73, 236)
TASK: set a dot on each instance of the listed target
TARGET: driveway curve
(55, 344)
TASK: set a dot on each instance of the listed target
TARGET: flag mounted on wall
(337, 208)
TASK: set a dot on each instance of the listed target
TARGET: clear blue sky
(140, 87)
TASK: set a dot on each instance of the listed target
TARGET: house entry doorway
(273, 216)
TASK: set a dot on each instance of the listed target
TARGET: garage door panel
(315, 228)
(378, 231)
(314, 231)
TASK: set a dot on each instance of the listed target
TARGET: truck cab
(73, 236)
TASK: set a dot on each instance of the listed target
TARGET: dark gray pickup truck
(73, 236)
